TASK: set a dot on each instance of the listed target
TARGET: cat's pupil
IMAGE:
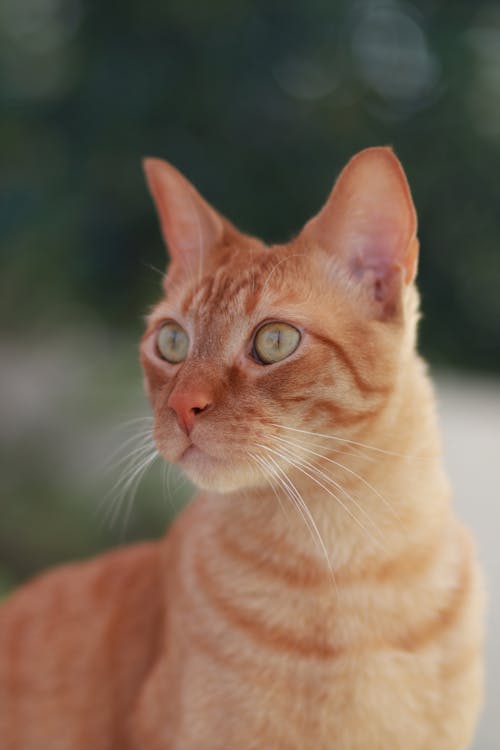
(275, 338)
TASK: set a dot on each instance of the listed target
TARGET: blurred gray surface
(470, 418)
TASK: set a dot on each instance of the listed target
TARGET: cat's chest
(251, 660)
(245, 646)
(235, 602)
(245, 672)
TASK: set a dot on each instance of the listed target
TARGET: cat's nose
(187, 405)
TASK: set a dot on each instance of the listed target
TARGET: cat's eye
(172, 342)
(274, 342)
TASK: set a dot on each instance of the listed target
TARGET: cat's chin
(215, 474)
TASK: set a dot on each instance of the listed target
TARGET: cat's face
(253, 347)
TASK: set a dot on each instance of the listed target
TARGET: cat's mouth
(193, 454)
(211, 472)
(189, 452)
(209, 462)
(202, 468)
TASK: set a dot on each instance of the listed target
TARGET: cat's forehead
(224, 289)
(243, 284)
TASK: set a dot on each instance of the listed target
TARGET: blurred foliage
(260, 104)
(70, 438)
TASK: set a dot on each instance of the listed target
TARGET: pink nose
(187, 405)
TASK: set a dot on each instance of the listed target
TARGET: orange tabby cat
(318, 593)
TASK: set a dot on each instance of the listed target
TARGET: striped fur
(245, 627)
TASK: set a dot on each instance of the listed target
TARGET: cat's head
(253, 347)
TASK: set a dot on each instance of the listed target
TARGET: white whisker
(293, 493)
(273, 269)
(133, 491)
(343, 467)
(334, 483)
(326, 489)
(262, 463)
(347, 440)
(145, 440)
(125, 483)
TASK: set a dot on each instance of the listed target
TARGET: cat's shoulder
(76, 588)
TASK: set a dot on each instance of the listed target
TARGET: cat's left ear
(190, 227)
(369, 224)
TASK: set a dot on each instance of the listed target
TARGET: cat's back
(77, 642)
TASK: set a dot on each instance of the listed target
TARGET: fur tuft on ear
(191, 228)
(369, 222)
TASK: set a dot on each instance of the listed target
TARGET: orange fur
(245, 627)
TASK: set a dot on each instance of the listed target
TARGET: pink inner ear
(375, 247)
(190, 227)
(369, 220)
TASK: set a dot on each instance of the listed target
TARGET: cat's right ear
(190, 227)
(369, 224)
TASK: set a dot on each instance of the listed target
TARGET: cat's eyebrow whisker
(327, 490)
(347, 440)
(153, 268)
(273, 269)
(333, 482)
(343, 467)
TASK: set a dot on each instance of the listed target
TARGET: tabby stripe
(272, 636)
(304, 575)
(413, 563)
(188, 299)
(214, 292)
(429, 631)
(280, 639)
(252, 301)
(361, 383)
(202, 290)
(342, 416)
(228, 294)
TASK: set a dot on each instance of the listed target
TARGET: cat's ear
(369, 223)
(191, 228)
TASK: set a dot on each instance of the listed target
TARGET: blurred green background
(260, 104)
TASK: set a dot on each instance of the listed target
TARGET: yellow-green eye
(172, 342)
(275, 341)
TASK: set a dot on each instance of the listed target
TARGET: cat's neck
(352, 502)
